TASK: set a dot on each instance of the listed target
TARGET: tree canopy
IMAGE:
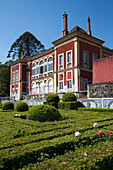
(26, 43)
(5, 78)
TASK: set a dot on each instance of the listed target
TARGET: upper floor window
(13, 76)
(50, 64)
(69, 59)
(41, 66)
(85, 59)
(17, 75)
(33, 69)
(94, 57)
(60, 62)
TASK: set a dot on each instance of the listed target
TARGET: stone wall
(104, 90)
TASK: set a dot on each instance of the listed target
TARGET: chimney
(89, 31)
(65, 31)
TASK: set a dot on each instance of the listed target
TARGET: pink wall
(103, 70)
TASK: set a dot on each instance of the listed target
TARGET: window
(85, 59)
(45, 60)
(69, 84)
(50, 64)
(37, 89)
(38, 70)
(60, 85)
(83, 84)
(16, 91)
(33, 69)
(27, 66)
(41, 66)
(33, 88)
(13, 76)
(69, 59)
(94, 57)
(50, 86)
(27, 78)
(16, 75)
(45, 68)
(41, 87)
(27, 89)
(60, 62)
(13, 91)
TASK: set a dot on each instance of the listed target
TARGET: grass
(23, 140)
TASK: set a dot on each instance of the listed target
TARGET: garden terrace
(23, 140)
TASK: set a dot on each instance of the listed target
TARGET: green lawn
(22, 141)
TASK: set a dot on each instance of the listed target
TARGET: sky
(44, 19)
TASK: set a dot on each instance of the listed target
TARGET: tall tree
(5, 78)
(26, 43)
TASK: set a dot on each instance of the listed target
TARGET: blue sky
(44, 20)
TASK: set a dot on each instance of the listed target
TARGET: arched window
(50, 86)
(41, 66)
(33, 69)
(41, 87)
(50, 64)
(33, 88)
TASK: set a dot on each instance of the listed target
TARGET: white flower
(77, 134)
(16, 115)
(96, 125)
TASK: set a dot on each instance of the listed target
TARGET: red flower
(97, 135)
(109, 132)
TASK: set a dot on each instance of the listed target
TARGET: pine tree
(26, 43)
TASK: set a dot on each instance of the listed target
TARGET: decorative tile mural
(97, 102)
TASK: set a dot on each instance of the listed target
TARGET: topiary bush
(22, 106)
(68, 97)
(53, 99)
(70, 105)
(7, 105)
(43, 113)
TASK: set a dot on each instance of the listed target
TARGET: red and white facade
(66, 67)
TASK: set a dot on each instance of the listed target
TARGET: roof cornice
(75, 34)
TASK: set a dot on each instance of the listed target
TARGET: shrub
(70, 105)
(44, 113)
(7, 105)
(22, 106)
(68, 97)
(52, 99)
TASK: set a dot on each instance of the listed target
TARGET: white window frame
(85, 63)
(17, 75)
(16, 91)
(49, 87)
(61, 66)
(62, 85)
(49, 62)
(71, 83)
(67, 63)
(34, 68)
(41, 65)
(14, 76)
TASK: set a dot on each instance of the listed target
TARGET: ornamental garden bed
(25, 142)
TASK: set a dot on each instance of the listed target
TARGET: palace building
(66, 67)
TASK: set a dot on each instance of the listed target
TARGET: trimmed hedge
(7, 105)
(68, 97)
(70, 105)
(96, 109)
(44, 113)
(53, 99)
(22, 106)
